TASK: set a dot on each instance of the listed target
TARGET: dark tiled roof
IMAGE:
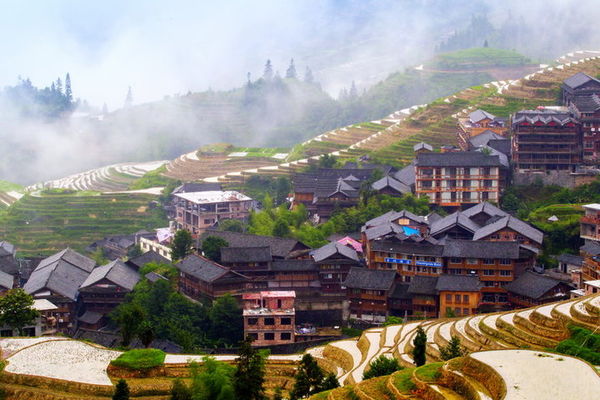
(532, 285)
(578, 79)
(148, 257)
(452, 220)
(246, 254)
(392, 216)
(481, 249)
(406, 175)
(486, 208)
(501, 145)
(90, 317)
(400, 291)
(421, 248)
(479, 115)
(6, 249)
(294, 265)
(201, 268)
(334, 248)
(388, 181)
(458, 283)
(570, 259)
(587, 104)
(280, 247)
(484, 137)
(458, 159)
(6, 280)
(369, 279)
(422, 146)
(513, 223)
(591, 247)
(116, 272)
(154, 277)
(544, 116)
(424, 285)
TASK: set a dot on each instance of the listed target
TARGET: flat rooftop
(213, 196)
(593, 206)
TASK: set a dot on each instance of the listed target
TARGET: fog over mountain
(163, 49)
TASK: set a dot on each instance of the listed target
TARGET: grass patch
(140, 359)
(403, 381)
(6, 186)
(479, 57)
(430, 372)
(321, 395)
(153, 178)
(583, 344)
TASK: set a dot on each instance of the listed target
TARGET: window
(269, 336)
(252, 321)
(279, 303)
(254, 336)
(448, 298)
(489, 272)
(457, 298)
(505, 261)
(488, 283)
(457, 310)
(286, 321)
(505, 273)
(285, 336)
(471, 261)
(466, 183)
(465, 298)
(455, 260)
(488, 261)
(269, 321)
(465, 311)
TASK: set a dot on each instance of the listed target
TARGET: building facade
(269, 317)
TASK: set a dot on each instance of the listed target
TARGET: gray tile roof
(479, 115)
(62, 273)
(486, 208)
(6, 249)
(153, 277)
(280, 247)
(455, 219)
(400, 291)
(484, 137)
(388, 181)
(501, 145)
(7, 281)
(591, 247)
(422, 146)
(422, 248)
(294, 265)
(382, 230)
(513, 223)
(148, 257)
(458, 159)
(334, 248)
(423, 285)
(580, 78)
(458, 283)
(532, 285)
(544, 116)
(392, 216)
(503, 158)
(570, 259)
(90, 317)
(481, 249)
(406, 175)
(369, 279)
(116, 272)
(246, 254)
(201, 268)
(587, 104)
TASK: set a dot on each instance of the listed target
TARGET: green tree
(231, 225)
(182, 244)
(291, 71)
(309, 378)
(327, 161)
(180, 391)
(129, 317)
(283, 187)
(330, 382)
(121, 390)
(453, 349)
(213, 380)
(99, 256)
(392, 320)
(281, 229)
(249, 377)
(278, 395)
(450, 313)
(211, 247)
(135, 251)
(16, 310)
(382, 365)
(268, 72)
(146, 333)
(226, 320)
(419, 343)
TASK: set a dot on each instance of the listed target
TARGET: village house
(460, 179)
(477, 123)
(8, 260)
(44, 324)
(146, 258)
(7, 282)
(58, 279)
(269, 317)
(198, 211)
(334, 261)
(458, 295)
(104, 289)
(533, 289)
(201, 278)
(368, 291)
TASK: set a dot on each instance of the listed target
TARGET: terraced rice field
(44, 225)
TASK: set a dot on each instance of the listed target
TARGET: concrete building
(269, 317)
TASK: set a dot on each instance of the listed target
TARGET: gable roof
(6, 248)
(369, 279)
(455, 219)
(422, 248)
(148, 257)
(202, 268)
(294, 265)
(388, 181)
(391, 216)
(587, 104)
(570, 259)
(7, 281)
(424, 285)
(422, 146)
(532, 285)
(591, 247)
(458, 159)
(481, 249)
(406, 175)
(332, 248)
(484, 137)
(513, 223)
(486, 208)
(116, 272)
(579, 79)
(479, 115)
(458, 283)
(246, 254)
(280, 247)
(62, 273)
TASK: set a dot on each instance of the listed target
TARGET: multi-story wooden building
(579, 85)
(334, 261)
(546, 139)
(368, 292)
(458, 295)
(269, 317)
(459, 179)
(587, 110)
(201, 278)
(475, 124)
(198, 211)
(532, 289)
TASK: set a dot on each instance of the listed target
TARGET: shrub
(381, 366)
(140, 359)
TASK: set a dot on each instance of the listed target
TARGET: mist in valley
(188, 63)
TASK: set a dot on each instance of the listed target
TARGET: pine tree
(249, 378)
(353, 94)
(291, 71)
(309, 378)
(128, 98)
(121, 391)
(308, 76)
(68, 91)
(268, 73)
(452, 350)
(180, 391)
(419, 344)
(181, 246)
(59, 86)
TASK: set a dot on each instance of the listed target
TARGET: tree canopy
(182, 244)
(16, 310)
(211, 247)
